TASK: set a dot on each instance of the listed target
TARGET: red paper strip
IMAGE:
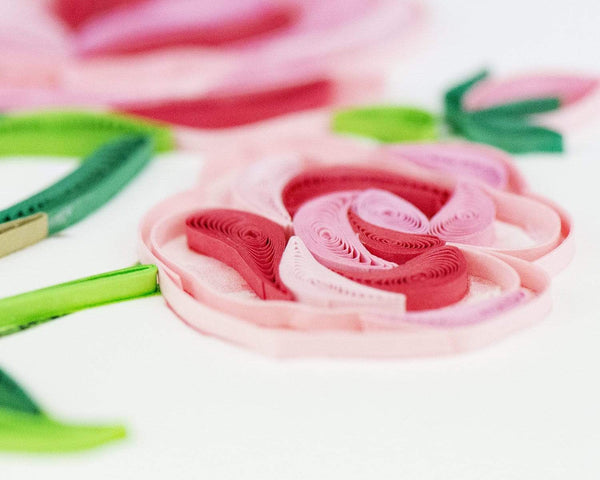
(76, 12)
(217, 34)
(238, 109)
(428, 198)
(251, 244)
(434, 279)
(391, 245)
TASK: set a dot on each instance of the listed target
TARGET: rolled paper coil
(314, 284)
(251, 244)
(386, 210)
(468, 217)
(391, 245)
(322, 224)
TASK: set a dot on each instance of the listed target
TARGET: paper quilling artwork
(343, 249)
(326, 221)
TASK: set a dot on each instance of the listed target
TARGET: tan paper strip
(22, 232)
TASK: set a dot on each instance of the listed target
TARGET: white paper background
(527, 408)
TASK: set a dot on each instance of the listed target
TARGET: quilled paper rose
(209, 65)
(343, 249)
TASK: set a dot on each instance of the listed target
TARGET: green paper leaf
(453, 97)
(74, 133)
(13, 397)
(21, 432)
(506, 126)
(25, 428)
(387, 123)
(513, 136)
(518, 109)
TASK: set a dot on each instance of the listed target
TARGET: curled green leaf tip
(25, 428)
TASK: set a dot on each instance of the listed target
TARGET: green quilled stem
(100, 177)
(128, 146)
(74, 133)
(387, 124)
(24, 427)
(115, 149)
(33, 308)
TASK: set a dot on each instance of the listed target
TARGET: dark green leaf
(13, 397)
(514, 136)
(518, 109)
